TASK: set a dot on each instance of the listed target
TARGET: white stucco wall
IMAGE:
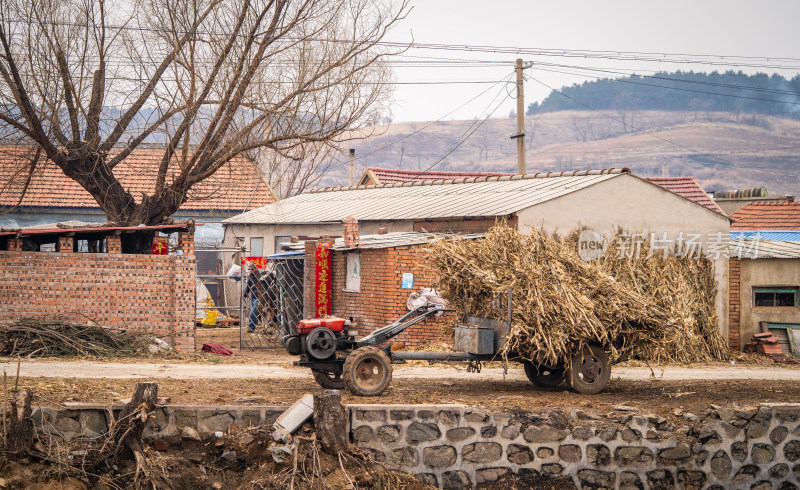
(636, 205)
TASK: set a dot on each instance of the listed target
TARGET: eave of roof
(764, 249)
(474, 197)
(23, 232)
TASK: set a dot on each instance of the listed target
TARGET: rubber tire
(596, 355)
(326, 381)
(533, 372)
(368, 358)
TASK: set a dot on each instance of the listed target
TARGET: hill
(731, 91)
(722, 150)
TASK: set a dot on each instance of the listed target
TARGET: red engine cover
(309, 324)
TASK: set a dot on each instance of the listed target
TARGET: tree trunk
(127, 432)
(20, 427)
(330, 421)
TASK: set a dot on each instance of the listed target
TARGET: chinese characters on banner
(160, 245)
(259, 262)
(323, 280)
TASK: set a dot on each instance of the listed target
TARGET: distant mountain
(723, 150)
(731, 91)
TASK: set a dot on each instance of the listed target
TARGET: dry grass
(657, 309)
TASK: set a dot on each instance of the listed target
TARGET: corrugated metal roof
(481, 197)
(390, 176)
(774, 235)
(764, 249)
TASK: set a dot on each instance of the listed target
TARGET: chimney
(351, 238)
(664, 170)
(352, 166)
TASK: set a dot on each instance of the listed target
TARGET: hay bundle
(560, 302)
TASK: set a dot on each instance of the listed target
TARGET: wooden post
(520, 136)
(5, 409)
(20, 430)
(330, 421)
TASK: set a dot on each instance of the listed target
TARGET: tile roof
(392, 176)
(472, 197)
(688, 188)
(683, 186)
(237, 186)
(767, 216)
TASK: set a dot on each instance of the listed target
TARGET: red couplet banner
(323, 279)
(259, 262)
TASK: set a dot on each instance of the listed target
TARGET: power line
(660, 57)
(678, 80)
(361, 157)
(464, 137)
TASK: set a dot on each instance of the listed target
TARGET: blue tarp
(776, 235)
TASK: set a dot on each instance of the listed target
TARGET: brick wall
(734, 303)
(382, 300)
(147, 292)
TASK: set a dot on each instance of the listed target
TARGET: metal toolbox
(474, 339)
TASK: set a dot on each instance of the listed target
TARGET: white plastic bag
(235, 272)
(425, 296)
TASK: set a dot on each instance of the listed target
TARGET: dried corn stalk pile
(682, 285)
(560, 302)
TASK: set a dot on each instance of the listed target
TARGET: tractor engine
(318, 337)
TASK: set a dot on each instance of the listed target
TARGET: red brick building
(381, 297)
(155, 293)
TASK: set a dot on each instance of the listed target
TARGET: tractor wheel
(589, 370)
(367, 371)
(544, 376)
(329, 381)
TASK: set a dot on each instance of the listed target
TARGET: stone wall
(453, 446)
(169, 422)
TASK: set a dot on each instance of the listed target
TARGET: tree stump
(20, 426)
(127, 432)
(330, 421)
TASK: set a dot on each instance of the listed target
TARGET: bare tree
(83, 83)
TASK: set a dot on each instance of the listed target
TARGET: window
(256, 247)
(279, 240)
(775, 297)
(353, 277)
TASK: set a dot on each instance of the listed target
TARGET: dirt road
(280, 368)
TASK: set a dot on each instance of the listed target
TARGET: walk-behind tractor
(339, 359)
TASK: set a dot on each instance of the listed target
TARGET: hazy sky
(731, 28)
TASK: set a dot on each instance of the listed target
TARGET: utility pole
(352, 169)
(520, 135)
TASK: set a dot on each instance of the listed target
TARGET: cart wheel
(367, 371)
(544, 376)
(329, 381)
(589, 370)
